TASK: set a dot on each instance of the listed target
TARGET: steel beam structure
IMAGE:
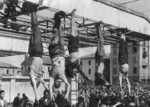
(100, 11)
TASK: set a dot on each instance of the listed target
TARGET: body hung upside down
(123, 60)
(34, 63)
(99, 58)
(73, 67)
(56, 52)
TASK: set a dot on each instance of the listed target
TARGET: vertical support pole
(83, 23)
(148, 62)
(12, 89)
(64, 23)
(74, 87)
(47, 24)
(1, 73)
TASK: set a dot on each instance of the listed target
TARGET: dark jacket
(49, 103)
(73, 44)
(56, 49)
(16, 102)
(123, 52)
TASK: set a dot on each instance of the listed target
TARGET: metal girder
(87, 36)
(100, 11)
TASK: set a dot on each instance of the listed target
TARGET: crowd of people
(97, 96)
(115, 96)
(20, 101)
(112, 97)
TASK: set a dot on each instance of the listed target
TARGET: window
(114, 61)
(114, 81)
(89, 62)
(89, 71)
(80, 62)
(115, 51)
(7, 71)
(134, 60)
(18, 72)
(13, 71)
(114, 71)
(144, 53)
(115, 46)
(134, 43)
(49, 69)
(134, 70)
(134, 50)
(144, 66)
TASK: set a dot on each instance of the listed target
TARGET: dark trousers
(35, 44)
(100, 53)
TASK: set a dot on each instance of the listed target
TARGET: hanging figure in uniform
(73, 67)
(33, 64)
(99, 58)
(123, 59)
(56, 52)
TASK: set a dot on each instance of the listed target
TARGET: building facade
(8, 69)
(138, 60)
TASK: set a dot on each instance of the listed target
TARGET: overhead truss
(85, 26)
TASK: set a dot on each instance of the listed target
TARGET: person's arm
(117, 104)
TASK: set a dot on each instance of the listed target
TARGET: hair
(2, 91)
(45, 91)
(57, 18)
(23, 94)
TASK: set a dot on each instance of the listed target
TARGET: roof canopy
(88, 13)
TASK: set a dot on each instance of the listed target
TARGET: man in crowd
(23, 100)
(3, 103)
(16, 101)
(45, 100)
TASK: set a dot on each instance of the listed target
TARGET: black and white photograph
(74, 53)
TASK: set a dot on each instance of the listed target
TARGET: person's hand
(66, 96)
(52, 97)
(73, 12)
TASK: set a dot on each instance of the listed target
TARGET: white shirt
(2, 102)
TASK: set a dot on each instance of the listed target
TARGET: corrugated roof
(6, 65)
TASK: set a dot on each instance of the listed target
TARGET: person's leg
(64, 78)
(34, 86)
(72, 24)
(51, 84)
(120, 81)
(43, 83)
(128, 84)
